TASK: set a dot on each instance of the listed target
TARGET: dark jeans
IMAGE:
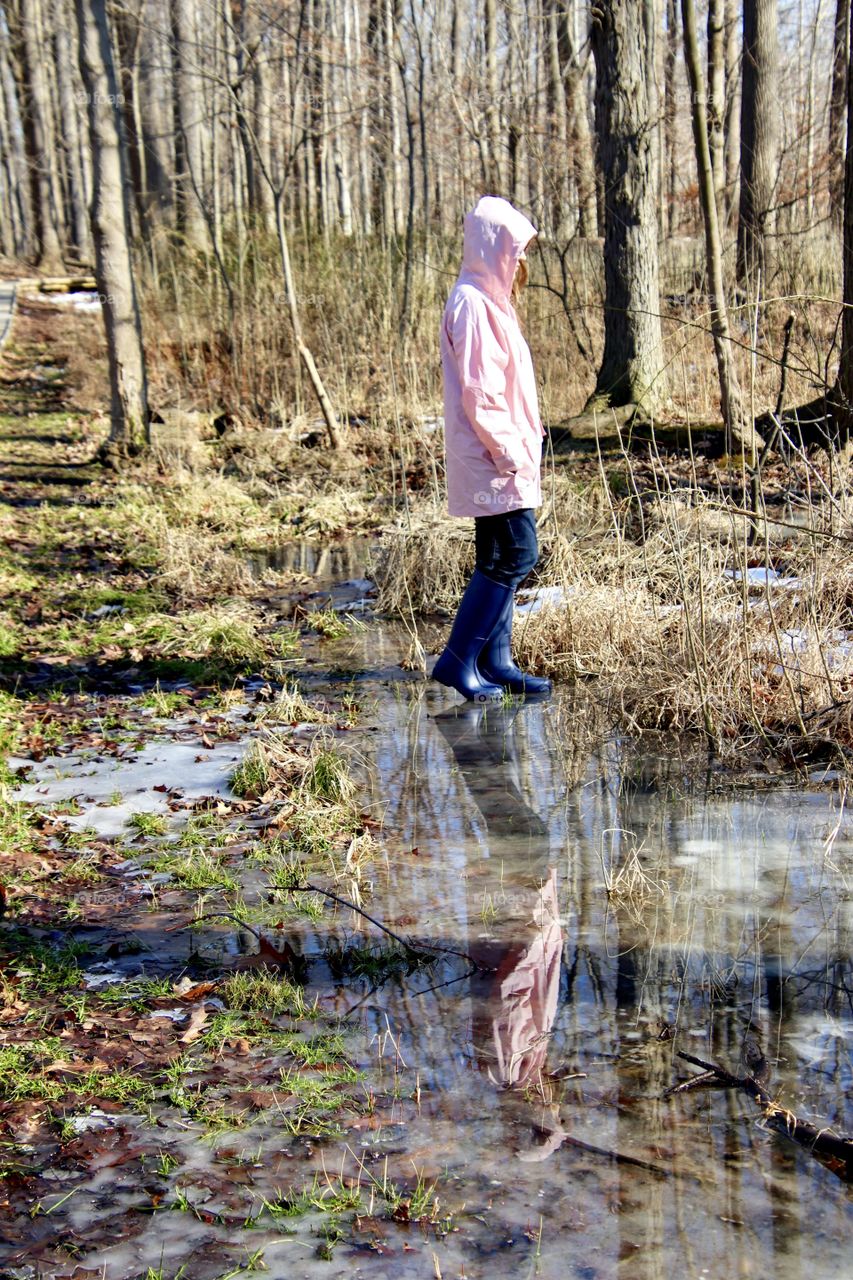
(506, 546)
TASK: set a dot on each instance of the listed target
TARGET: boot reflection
(483, 742)
(515, 1000)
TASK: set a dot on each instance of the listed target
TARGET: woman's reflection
(515, 995)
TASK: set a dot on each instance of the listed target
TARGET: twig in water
(837, 1149)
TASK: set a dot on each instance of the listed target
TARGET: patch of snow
(102, 975)
(760, 576)
(94, 1120)
(105, 610)
(195, 771)
(533, 601)
(174, 1015)
(80, 300)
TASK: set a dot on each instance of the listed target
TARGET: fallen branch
(820, 1142)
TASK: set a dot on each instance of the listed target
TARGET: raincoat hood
(495, 237)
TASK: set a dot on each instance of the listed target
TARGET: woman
(493, 443)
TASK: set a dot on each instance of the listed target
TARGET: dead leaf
(198, 1018)
(196, 992)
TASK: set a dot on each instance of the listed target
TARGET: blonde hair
(519, 280)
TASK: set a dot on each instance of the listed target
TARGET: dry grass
(629, 885)
(647, 601)
(422, 566)
(677, 642)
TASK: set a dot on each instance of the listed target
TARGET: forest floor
(128, 1019)
(182, 720)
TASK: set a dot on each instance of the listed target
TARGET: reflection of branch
(555, 1138)
(407, 946)
(818, 1141)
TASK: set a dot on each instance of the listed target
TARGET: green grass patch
(32, 970)
(164, 702)
(328, 623)
(263, 991)
(253, 775)
(197, 870)
(149, 824)
(10, 641)
(136, 993)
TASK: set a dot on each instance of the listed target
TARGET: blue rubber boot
(479, 610)
(496, 664)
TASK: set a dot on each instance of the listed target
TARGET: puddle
(332, 562)
(614, 919)
(620, 924)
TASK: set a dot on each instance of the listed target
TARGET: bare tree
(17, 215)
(27, 27)
(670, 115)
(838, 108)
(758, 140)
(189, 112)
(74, 154)
(632, 366)
(717, 94)
(844, 389)
(129, 431)
(573, 70)
(731, 117)
(739, 428)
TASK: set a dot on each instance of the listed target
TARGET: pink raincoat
(492, 430)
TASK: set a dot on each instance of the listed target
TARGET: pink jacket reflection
(528, 998)
(492, 429)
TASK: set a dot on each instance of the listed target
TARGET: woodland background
(280, 187)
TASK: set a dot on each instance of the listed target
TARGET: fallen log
(835, 1149)
(58, 284)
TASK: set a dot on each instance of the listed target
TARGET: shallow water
(599, 911)
(742, 925)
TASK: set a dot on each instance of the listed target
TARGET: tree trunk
(844, 390)
(65, 42)
(838, 109)
(326, 406)
(394, 145)
(559, 220)
(129, 432)
(10, 221)
(263, 113)
(650, 24)
(670, 116)
(717, 96)
(632, 367)
(494, 168)
(189, 105)
(577, 123)
(731, 117)
(157, 113)
(19, 186)
(128, 34)
(739, 429)
(758, 141)
(36, 106)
